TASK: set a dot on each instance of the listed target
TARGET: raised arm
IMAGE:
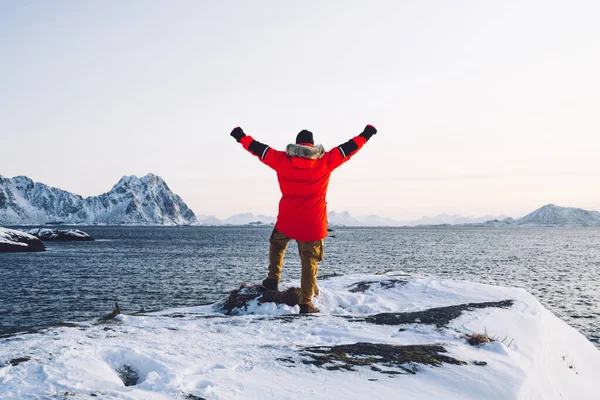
(342, 153)
(265, 154)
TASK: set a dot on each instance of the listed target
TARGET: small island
(60, 235)
(13, 241)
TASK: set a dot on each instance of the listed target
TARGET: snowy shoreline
(268, 351)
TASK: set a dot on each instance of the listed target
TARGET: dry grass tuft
(477, 339)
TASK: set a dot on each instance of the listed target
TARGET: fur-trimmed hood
(312, 153)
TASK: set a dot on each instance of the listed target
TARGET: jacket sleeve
(265, 154)
(342, 153)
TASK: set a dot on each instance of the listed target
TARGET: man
(303, 172)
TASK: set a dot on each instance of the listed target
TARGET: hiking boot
(269, 290)
(308, 309)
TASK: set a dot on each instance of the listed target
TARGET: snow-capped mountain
(553, 215)
(376, 220)
(208, 220)
(344, 218)
(133, 200)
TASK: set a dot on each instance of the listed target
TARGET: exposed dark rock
(6, 333)
(328, 276)
(128, 375)
(116, 311)
(186, 315)
(239, 298)
(366, 285)
(60, 235)
(389, 372)
(286, 360)
(16, 361)
(289, 318)
(13, 241)
(436, 316)
(378, 356)
(193, 397)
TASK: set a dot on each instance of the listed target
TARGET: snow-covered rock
(60, 235)
(13, 241)
(133, 200)
(377, 337)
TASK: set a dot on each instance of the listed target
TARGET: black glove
(237, 133)
(368, 132)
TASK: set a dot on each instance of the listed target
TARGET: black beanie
(305, 137)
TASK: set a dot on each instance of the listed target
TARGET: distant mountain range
(149, 201)
(548, 215)
(133, 200)
(344, 218)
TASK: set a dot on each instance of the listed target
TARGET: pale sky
(482, 107)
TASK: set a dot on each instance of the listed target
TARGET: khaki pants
(310, 255)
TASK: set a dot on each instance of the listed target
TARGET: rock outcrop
(60, 235)
(13, 241)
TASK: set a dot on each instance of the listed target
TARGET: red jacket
(303, 174)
